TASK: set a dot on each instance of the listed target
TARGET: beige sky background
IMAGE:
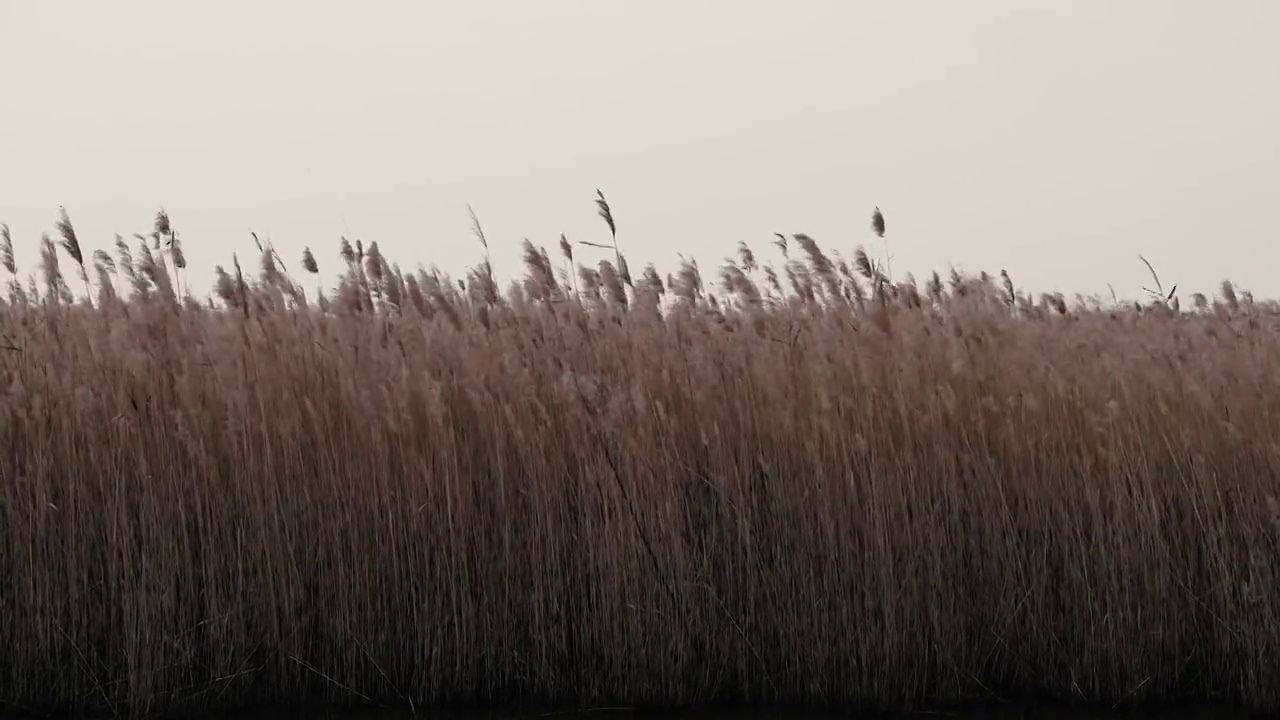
(1055, 139)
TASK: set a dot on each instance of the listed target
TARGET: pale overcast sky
(1055, 139)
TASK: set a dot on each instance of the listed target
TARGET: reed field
(800, 482)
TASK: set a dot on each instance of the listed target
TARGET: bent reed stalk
(590, 490)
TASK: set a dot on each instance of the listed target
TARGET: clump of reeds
(418, 491)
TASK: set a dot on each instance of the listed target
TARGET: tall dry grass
(847, 491)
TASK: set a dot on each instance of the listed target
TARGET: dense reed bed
(831, 490)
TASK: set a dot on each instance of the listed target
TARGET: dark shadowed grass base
(1006, 713)
(1029, 712)
(1011, 711)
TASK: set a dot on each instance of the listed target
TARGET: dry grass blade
(1158, 294)
(476, 229)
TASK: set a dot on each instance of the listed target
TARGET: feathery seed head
(309, 261)
(6, 250)
(747, 257)
(70, 242)
(175, 251)
(602, 206)
(102, 259)
(566, 248)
